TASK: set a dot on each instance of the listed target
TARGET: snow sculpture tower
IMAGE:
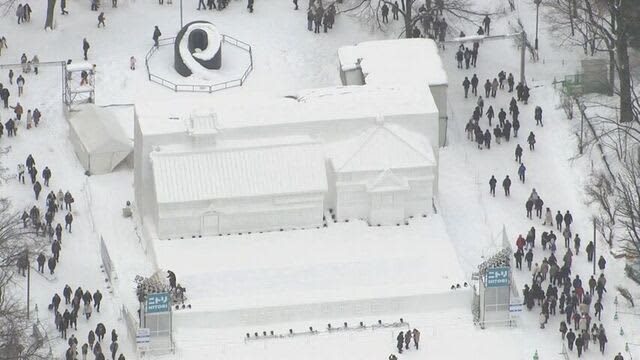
(198, 45)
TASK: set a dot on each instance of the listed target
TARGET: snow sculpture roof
(240, 172)
(99, 131)
(305, 106)
(382, 147)
(202, 124)
(398, 61)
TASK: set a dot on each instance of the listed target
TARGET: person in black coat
(400, 341)
(559, 220)
(568, 219)
(492, 185)
(33, 172)
(474, 85)
(46, 175)
(538, 204)
(529, 206)
(506, 184)
(529, 258)
(97, 298)
(41, 260)
(85, 48)
(100, 331)
(487, 139)
(531, 139)
(602, 263)
(518, 153)
(30, 162)
(506, 130)
(465, 84)
(67, 292)
(519, 254)
(571, 336)
(55, 249)
(156, 36)
(51, 263)
(68, 219)
(37, 188)
(55, 302)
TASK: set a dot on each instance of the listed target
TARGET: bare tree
(415, 12)
(16, 242)
(599, 25)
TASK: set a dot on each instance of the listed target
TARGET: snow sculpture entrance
(197, 45)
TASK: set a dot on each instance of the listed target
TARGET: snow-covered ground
(288, 57)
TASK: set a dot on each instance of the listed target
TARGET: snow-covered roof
(99, 130)
(381, 147)
(238, 172)
(316, 105)
(80, 66)
(398, 61)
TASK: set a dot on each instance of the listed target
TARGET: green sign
(158, 303)
(498, 277)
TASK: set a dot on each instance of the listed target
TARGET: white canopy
(98, 140)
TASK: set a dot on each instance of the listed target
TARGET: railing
(201, 88)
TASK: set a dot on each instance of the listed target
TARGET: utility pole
(181, 20)
(537, 2)
(595, 245)
(28, 281)
(523, 53)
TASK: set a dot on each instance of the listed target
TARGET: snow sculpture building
(366, 152)
(402, 62)
(198, 44)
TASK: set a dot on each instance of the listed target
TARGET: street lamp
(537, 2)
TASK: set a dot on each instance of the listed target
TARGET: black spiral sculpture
(197, 45)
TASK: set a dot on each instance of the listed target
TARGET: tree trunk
(624, 77)
(612, 71)
(51, 12)
(408, 27)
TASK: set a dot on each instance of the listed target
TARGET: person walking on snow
(20, 83)
(519, 154)
(400, 341)
(132, 63)
(487, 24)
(101, 20)
(156, 36)
(521, 172)
(85, 48)
(532, 141)
(465, 84)
(68, 219)
(492, 185)
(506, 184)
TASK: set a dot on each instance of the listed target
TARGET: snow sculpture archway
(198, 47)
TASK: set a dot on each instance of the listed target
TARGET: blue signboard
(498, 277)
(157, 303)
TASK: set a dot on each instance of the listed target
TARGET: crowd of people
(318, 16)
(68, 321)
(403, 341)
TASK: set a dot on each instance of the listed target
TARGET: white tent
(98, 140)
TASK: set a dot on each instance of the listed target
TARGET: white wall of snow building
(338, 125)
(401, 62)
(216, 191)
(98, 140)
